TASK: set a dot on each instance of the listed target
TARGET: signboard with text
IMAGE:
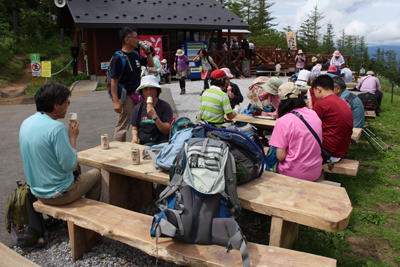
(46, 69)
(36, 68)
(155, 41)
(291, 40)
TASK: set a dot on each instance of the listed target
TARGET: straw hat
(337, 53)
(370, 72)
(148, 81)
(300, 52)
(272, 85)
(314, 59)
(288, 90)
(228, 73)
(179, 53)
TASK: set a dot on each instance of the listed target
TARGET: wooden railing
(267, 57)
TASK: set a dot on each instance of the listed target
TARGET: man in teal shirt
(49, 153)
(355, 104)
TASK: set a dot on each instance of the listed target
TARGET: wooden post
(82, 240)
(282, 232)
(125, 192)
(33, 81)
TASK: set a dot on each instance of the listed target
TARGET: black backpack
(245, 147)
(25, 225)
(370, 101)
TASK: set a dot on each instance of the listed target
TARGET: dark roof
(189, 14)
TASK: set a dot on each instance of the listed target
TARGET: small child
(278, 66)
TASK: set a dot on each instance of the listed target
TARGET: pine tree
(328, 43)
(305, 35)
(261, 20)
(341, 41)
(315, 17)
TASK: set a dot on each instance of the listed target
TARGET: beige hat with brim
(288, 90)
(300, 52)
(179, 53)
(370, 72)
(148, 81)
(272, 85)
(314, 59)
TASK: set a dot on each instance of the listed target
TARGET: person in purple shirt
(181, 66)
(371, 84)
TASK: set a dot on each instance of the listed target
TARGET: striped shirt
(214, 104)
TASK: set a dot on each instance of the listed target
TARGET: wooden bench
(10, 258)
(370, 114)
(289, 201)
(344, 166)
(277, 73)
(88, 220)
(356, 134)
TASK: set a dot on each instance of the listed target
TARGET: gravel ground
(112, 253)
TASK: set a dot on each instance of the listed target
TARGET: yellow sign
(291, 40)
(46, 69)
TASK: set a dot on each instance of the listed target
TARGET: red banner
(155, 41)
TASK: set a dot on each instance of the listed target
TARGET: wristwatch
(148, 53)
(155, 118)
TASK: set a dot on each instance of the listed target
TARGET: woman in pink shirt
(298, 152)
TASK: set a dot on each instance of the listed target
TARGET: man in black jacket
(232, 90)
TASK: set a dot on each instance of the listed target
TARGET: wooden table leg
(125, 192)
(283, 232)
(82, 240)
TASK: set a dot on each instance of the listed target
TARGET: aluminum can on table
(105, 144)
(135, 155)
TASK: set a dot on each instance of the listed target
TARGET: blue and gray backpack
(200, 202)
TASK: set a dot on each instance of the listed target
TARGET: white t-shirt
(347, 75)
(304, 76)
(278, 67)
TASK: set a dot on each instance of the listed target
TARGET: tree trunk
(49, 3)
(15, 18)
(62, 37)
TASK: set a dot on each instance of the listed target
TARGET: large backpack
(369, 100)
(200, 203)
(121, 88)
(167, 152)
(180, 123)
(248, 156)
(25, 225)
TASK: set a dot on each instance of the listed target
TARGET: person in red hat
(214, 103)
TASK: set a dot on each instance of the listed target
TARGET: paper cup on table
(73, 117)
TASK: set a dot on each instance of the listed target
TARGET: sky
(377, 20)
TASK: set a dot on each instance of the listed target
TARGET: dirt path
(14, 93)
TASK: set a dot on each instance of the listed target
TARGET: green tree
(315, 17)
(261, 21)
(328, 43)
(305, 35)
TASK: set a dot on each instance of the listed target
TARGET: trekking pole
(365, 132)
(388, 147)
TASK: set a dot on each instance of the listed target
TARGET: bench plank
(10, 258)
(370, 114)
(133, 229)
(356, 134)
(344, 166)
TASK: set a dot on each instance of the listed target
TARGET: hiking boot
(183, 91)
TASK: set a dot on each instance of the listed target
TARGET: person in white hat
(371, 84)
(156, 70)
(297, 150)
(181, 66)
(165, 71)
(232, 89)
(299, 59)
(151, 119)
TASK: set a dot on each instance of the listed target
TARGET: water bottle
(143, 45)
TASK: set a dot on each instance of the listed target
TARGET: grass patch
(101, 87)
(371, 238)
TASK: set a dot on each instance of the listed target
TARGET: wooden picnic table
(289, 201)
(270, 124)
